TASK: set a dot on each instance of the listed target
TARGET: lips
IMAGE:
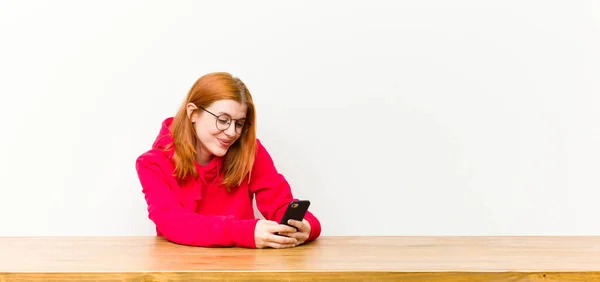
(224, 143)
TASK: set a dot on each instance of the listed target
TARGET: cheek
(205, 130)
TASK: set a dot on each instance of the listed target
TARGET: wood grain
(301, 276)
(329, 258)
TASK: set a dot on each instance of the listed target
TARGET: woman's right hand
(265, 235)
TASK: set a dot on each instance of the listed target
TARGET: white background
(392, 117)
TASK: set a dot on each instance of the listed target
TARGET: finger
(281, 239)
(298, 224)
(281, 228)
(280, 246)
(297, 235)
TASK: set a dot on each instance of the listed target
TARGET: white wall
(393, 118)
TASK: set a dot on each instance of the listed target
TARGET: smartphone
(296, 211)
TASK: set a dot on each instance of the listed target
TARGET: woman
(206, 166)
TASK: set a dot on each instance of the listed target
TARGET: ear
(190, 107)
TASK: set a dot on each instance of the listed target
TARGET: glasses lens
(223, 122)
(241, 127)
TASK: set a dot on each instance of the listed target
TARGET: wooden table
(328, 258)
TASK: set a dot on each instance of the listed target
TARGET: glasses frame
(244, 129)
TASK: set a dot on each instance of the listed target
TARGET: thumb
(270, 222)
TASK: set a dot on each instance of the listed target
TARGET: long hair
(239, 158)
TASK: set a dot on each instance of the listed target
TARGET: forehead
(233, 108)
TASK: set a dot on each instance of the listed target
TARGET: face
(216, 135)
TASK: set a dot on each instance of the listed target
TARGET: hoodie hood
(164, 138)
(208, 174)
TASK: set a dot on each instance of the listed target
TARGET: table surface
(333, 255)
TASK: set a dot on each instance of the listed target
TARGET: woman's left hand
(303, 230)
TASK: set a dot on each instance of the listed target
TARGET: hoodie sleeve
(273, 192)
(186, 227)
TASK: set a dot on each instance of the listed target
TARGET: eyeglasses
(223, 121)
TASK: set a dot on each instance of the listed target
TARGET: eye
(239, 124)
(222, 121)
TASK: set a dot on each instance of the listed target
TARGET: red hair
(240, 156)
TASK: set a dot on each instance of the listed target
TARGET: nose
(230, 131)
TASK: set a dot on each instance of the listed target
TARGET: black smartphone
(296, 211)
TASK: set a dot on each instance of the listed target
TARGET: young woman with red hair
(205, 168)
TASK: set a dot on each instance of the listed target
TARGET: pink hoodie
(200, 212)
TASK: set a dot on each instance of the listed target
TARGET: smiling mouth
(224, 143)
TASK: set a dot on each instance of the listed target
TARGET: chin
(218, 150)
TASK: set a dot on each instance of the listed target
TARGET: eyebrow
(219, 113)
